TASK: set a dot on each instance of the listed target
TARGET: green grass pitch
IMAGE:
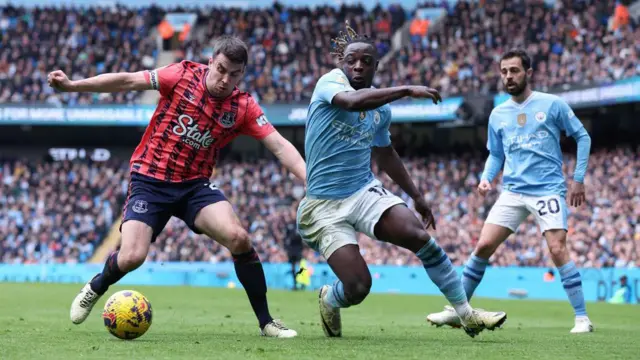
(206, 323)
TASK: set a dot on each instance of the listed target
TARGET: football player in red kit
(200, 111)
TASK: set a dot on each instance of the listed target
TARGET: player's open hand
(484, 187)
(423, 92)
(59, 81)
(577, 194)
(427, 216)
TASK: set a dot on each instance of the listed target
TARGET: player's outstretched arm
(370, 99)
(103, 83)
(287, 154)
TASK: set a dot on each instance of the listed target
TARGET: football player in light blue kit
(524, 135)
(347, 123)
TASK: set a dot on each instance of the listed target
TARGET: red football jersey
(189, 126)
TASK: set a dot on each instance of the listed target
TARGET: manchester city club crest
(228, 119)
(541, 117)
(376, 117)
(522, 119)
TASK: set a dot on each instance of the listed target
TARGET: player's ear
(210, 61)
(529, 72)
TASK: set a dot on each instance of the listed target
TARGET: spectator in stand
(57, 212)
(81, 42)
(571, 42)
(61, 212)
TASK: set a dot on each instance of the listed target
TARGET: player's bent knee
(357, 291)
(485, 249)
(490, 238)
(136, 238)
(131, 259)
(238, 241)
(422, 236)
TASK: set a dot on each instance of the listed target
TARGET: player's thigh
(399, 225)
(205, 210)
(379, 214)
(509, 212)
(551, 212)
(134, 246)
(146, 211)
(219, 221)
(322, 225)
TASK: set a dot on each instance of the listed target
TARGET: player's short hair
(518, 53)
(343, 40)
(231, 47)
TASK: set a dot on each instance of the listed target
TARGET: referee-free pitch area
(207, 323)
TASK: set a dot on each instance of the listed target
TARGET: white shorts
(327, 225)
(511, 209)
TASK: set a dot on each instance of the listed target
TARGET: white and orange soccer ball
(127, 314)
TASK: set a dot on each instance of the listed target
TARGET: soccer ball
(127, 314)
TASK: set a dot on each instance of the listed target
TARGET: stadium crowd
(81, 42)
(61, 212)
(570, 41)
(57, 212)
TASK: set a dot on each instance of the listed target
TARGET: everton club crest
(227, 120)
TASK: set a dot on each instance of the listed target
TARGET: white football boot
(329, 316)
(583, 325)
(446, 317)
(277, 329)
(478, 321)
(83, 303)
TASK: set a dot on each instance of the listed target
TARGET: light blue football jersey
(527, 136)
(338, 142)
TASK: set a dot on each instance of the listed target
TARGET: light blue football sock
(335, 296)
(572, 283)
(473, 273)
(441, 272)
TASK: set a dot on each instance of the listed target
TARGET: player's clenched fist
(59, 80)
(423, 92)
(484, 187)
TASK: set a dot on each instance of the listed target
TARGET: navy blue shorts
(154, 202)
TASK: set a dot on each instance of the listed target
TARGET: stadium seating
(81, 42)
(289, 48)
(66, 222)
(570, 42)
(57, 212)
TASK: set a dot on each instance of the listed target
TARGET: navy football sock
(251, 275)
(110, 275)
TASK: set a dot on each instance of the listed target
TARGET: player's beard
(518, 89)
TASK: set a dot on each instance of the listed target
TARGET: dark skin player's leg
(399, 226)
(352, 270)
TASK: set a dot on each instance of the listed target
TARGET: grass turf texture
(199, 323)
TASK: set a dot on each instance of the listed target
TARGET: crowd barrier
(500, 283)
